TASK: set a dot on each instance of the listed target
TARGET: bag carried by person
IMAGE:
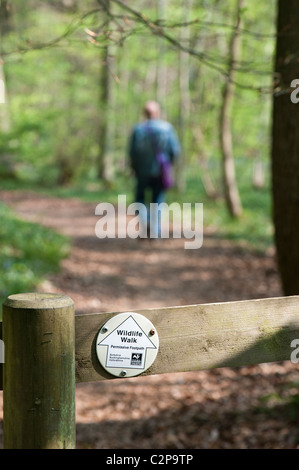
(166, 170)
(167, 177)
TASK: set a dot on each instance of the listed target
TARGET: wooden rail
(203, 336)
(48, 349)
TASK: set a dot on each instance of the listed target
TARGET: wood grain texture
(206, 336)
(203, 336)
(39, 372)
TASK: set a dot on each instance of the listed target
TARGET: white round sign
(127, 344)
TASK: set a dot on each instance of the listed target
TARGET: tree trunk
(5, 27)
(258, 174)
(184, 98)
(230, 184)
(285, 148)
(105, 163)
(203, 161)
(7, 163)
(161, 70)
(4, 112)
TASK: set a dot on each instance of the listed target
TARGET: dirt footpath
(224, 408)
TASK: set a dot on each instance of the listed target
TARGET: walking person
(150, 141)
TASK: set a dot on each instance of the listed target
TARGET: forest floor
(247, 407)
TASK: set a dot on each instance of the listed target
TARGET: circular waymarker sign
(127, 344)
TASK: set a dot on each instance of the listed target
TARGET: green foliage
(28, 253)
(55, 111)
(254, 229)
(54, 93)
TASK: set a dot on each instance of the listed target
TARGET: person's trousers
(151, 218)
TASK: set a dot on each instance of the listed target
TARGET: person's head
(152, 110)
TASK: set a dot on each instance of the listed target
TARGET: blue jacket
(146, 139)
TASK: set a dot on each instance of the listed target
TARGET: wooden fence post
(39, 372)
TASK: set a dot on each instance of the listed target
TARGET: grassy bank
(28, 253)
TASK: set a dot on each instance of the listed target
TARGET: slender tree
(226, 141)
(5, 27)
(105, 164)
(161, 67)
(184, 94)
(7, 163)
(203, 160)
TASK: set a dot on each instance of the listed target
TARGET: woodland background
(76, 77)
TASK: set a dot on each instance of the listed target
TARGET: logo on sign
(136, 359)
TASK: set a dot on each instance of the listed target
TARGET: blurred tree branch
(132, 22)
